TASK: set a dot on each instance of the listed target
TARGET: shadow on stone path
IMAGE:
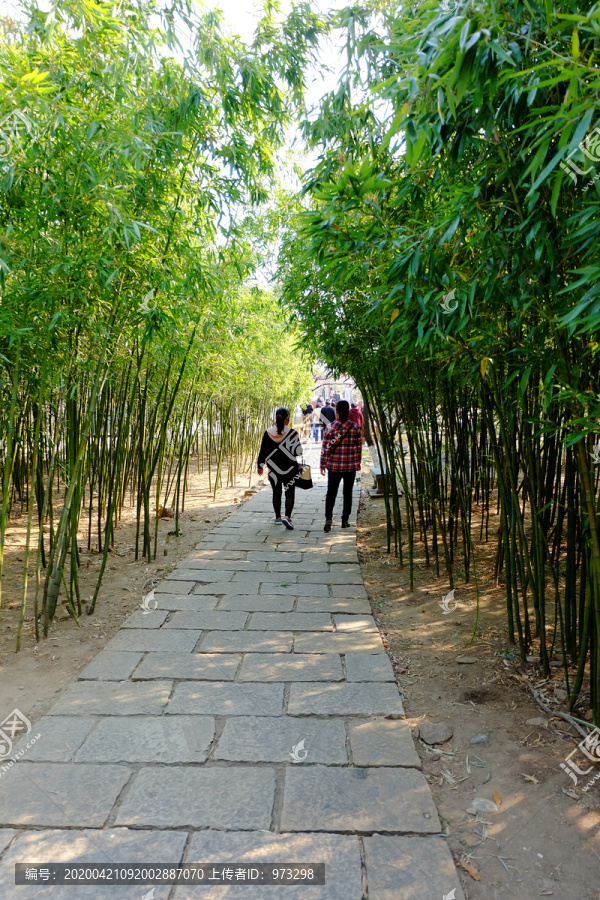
(177, 743)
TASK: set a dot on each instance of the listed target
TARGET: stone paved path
(176, 743)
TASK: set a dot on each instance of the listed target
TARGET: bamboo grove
(449, 262)
(134, 143)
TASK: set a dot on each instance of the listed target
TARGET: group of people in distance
(341, 453)
(320, 415)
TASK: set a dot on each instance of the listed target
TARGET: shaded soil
(540, 842)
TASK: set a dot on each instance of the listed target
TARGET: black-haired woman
(280, 451)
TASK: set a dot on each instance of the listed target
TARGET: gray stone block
(291, 667)
(345, 568)
(241, 532)
(316, 554)
(58, 794)
(323, 642)
(410, 868)
(216, 698)
(188, 667)
(361, 800)
(246, 642)
(213, 544)
(190, 601)
(245, 545)
(299, 567)
(265, 577)
(187, 573)
(112, 698)
(209, 621)
(351, 623)
(349, 591)
(149, 739)
(227, 565)
(342, 556)
(257, 603)
(203, 552)
(369, 667)
(333, 604)
(140, 619)
(293, 621)
(111, 665)
(367, 698)
(332, 577)
(382, 742)
(60, 737)
(267, 555)
(174, 587)
(307, 590)
(6, 836)
(200, 798)
(163, 640)
(256, 739)
(226, 588)
(110, 846)
(340, 853)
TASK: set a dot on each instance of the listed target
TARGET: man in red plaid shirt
(341, 458)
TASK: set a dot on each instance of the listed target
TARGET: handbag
(304, 480)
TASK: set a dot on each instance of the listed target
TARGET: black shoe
(345, 524)
(287, 522)
(328, 525)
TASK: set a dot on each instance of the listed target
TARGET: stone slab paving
(253, 716)
(291, 667)
(108, 846)
(112, 665)
(208, 621)
(191, 796)
(353, 799)
(255, 739)
(157, 640)
(340, 853)
(227, 699)
(62, 736)
(149, 739)
(191, 667)
(186, 601)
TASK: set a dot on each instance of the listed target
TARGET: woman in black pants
(280, 450)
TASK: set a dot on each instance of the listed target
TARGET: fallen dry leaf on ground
(471, 870)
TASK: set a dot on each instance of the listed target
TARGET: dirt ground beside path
(540, 842)
(30, 679)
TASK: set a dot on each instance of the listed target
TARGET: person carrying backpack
(340, 458)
